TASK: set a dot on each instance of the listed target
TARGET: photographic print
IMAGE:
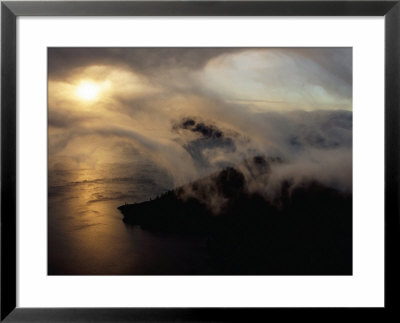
(200, 161)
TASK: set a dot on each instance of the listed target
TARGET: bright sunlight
(87, 91)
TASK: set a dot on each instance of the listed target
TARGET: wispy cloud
(185, 113)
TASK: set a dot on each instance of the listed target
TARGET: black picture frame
(10, 10)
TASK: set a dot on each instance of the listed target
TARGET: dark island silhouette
(307, 230)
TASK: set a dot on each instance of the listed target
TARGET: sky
(156, 118)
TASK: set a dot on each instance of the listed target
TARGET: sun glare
(87, 91)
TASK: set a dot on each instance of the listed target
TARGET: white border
(364, 288)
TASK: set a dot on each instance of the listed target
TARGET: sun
(87, 91)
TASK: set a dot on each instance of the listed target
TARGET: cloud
(64, 62)
(172, 116)
(322, 152)
(277, 78)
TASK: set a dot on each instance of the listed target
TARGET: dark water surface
(86, 234)
(311, 234)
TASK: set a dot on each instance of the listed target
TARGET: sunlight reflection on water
(86, 234)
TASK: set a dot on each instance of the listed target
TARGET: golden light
(87, 91)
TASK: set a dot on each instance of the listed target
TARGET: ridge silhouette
(307, 231)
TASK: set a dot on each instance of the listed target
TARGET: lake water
(86, 234)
